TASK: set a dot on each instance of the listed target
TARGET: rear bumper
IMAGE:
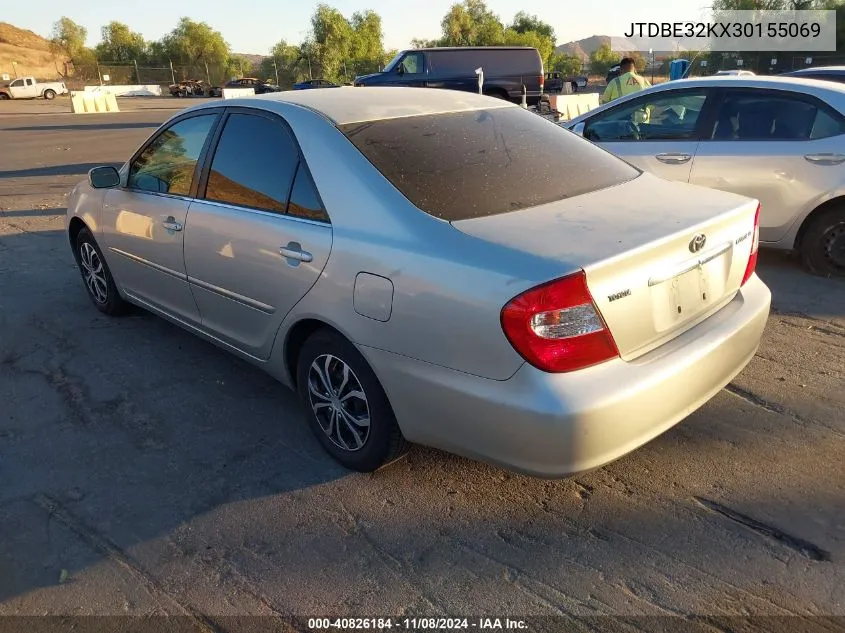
(553, 425)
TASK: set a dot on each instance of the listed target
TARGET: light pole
(651, 54)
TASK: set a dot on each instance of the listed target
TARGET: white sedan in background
(780, 140)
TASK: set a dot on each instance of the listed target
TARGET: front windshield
(391, 65)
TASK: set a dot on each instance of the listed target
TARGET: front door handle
(672, 158)
(294, 251)
(171, 224)
(825, 159)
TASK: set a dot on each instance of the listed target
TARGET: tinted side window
(660, 116)
(473, 164)
(827, 125)
(17, 83)
(167, 164)
(253, 165)
(304, 201)
(414, 63)
(757, 116)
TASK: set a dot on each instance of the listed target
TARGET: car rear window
(464, 165)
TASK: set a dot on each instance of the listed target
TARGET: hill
(583, 48)
(23, 52)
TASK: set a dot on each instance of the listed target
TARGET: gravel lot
(146, 472)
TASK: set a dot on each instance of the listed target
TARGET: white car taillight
(755, 246)
(557, 328)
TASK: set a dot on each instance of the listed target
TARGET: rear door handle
(825, 159)
(294, 251)
(171, 224)
(672, 158)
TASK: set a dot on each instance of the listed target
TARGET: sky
(257, 25)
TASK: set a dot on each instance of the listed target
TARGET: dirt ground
(145, 472)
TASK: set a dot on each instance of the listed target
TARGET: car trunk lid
(659, 257)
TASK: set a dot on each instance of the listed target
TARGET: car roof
(819, 69)
(471, 48)
(349, 104)
(754, 81)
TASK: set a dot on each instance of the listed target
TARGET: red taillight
(557, 328)
(542, 82)
(755, 246)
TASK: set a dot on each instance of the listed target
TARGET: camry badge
(697, 243)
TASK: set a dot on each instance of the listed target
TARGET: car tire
(823, 244)
(3, 96)
(96, 275)
(330, 370)
(49, 95)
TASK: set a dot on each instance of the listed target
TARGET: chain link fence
(280, 72)
(764, 63)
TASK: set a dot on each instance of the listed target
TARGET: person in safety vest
(627, 82)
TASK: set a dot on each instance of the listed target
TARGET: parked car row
(201, 88)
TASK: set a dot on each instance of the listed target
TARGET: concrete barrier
(92, 102)
(234, 93)
(571, 106)
(151, 90)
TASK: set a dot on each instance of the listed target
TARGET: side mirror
(400, 69)
(579, 129)
(104, 177)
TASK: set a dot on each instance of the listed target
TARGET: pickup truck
(29, 88)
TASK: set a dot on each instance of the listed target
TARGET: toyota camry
(434, 267)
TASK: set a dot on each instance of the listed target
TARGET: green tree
(120, 44)
(525, 23)
(566, 64)
(423, 43)
(68, 37)
(339, 49)
(196, 43)
(603, 59)
(331, 42)
(367, 48)
(240, 66)
(534, 39)
(286, 61)
(471, 23)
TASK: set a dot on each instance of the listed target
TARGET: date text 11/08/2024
(416, 624)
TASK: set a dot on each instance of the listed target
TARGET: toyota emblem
(697, 243)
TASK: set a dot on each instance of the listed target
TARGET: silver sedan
(432, 266)
(780, 140)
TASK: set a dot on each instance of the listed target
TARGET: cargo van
(506, 70)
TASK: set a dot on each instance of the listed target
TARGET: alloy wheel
(93, 273)
(339, 402)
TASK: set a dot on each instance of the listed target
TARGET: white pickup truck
(29, 88)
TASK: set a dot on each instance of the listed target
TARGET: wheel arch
(837, 202)
(295, 339)
(75, 225)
